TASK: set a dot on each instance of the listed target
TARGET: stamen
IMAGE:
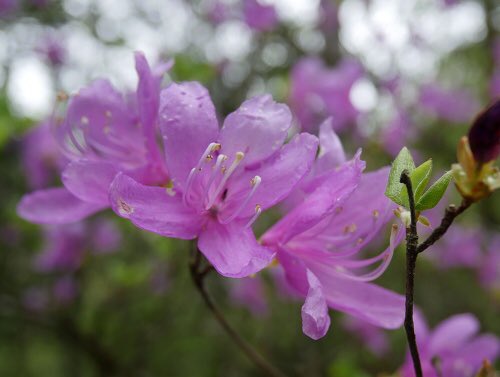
(255, 183)
(237, 159)
(188, 185)
(351, 228)
(212, 147)
(258, 211)
(220, 159)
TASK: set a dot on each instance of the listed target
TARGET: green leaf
(420, 177)
(434, 194)
(394, 186)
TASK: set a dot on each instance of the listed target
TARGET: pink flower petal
(233, 250)
(315, 318)
(55, 206)
(152, 208)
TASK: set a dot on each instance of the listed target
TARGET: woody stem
(411, 261)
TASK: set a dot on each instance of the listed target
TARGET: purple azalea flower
(7, 7)
(457, 106)
(452, 347)
(489, 270)
(318, 242)
(102, 134)
(106, 237)
(249, 292)
(41, 157)
(397, 134)
(53, 50)
(460, 248)
(221, 179)
(259, 16)
(372, 336)
(64, 249)
(317, 92)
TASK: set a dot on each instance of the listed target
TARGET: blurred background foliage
(132, 310)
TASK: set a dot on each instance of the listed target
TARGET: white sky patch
(233, 40)
(363, 95)
(30, 88)
(298, 12)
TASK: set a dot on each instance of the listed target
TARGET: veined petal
(153, 208)
(366, 301)
(258, 129)
(315, 318)
(233, 250)
(326, 193)
(55, 206)
(279, 176)
(188, 124)
(89, 180)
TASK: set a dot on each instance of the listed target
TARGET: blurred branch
(198, 274)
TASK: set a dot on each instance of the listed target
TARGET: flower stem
(411, 261)
(198, 275)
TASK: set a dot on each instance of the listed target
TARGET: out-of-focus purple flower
(7, 7)
(460, 248)
(64, 248)
(42, 160)
(218, 12)
(397, 134)
(319, 241)
(35, 299)
(249, 293)
(106, 237)
(53, 50)
(65, 245)
(102, 134)
(221, 179)
(489, 271)
(318, 92)
(457, 106)
(484, 135)
(372, 336)
(259, 16)
(452, 347)
(65, 289)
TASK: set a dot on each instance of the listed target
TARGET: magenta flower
(221, 179)
(318, 92)
(460, 248)
(7, 7)
(250, 293)
(452, 347)
(371, 336)
(318, 242)
(457, 106)
(259, 16)
(489, 270)
(102, 134)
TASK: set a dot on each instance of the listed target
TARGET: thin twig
(450, 215)
(411, 261)
(198, 275)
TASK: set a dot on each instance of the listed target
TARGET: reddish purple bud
(484, 135)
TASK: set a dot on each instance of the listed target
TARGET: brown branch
(411, 261)
(198, 275)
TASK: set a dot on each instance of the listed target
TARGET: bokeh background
(99, 297)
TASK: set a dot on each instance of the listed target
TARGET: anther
(351, 228)
(255, 183)
(376, 214)
(258, 210)
(238, 157)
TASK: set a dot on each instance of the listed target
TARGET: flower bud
(484, 135)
